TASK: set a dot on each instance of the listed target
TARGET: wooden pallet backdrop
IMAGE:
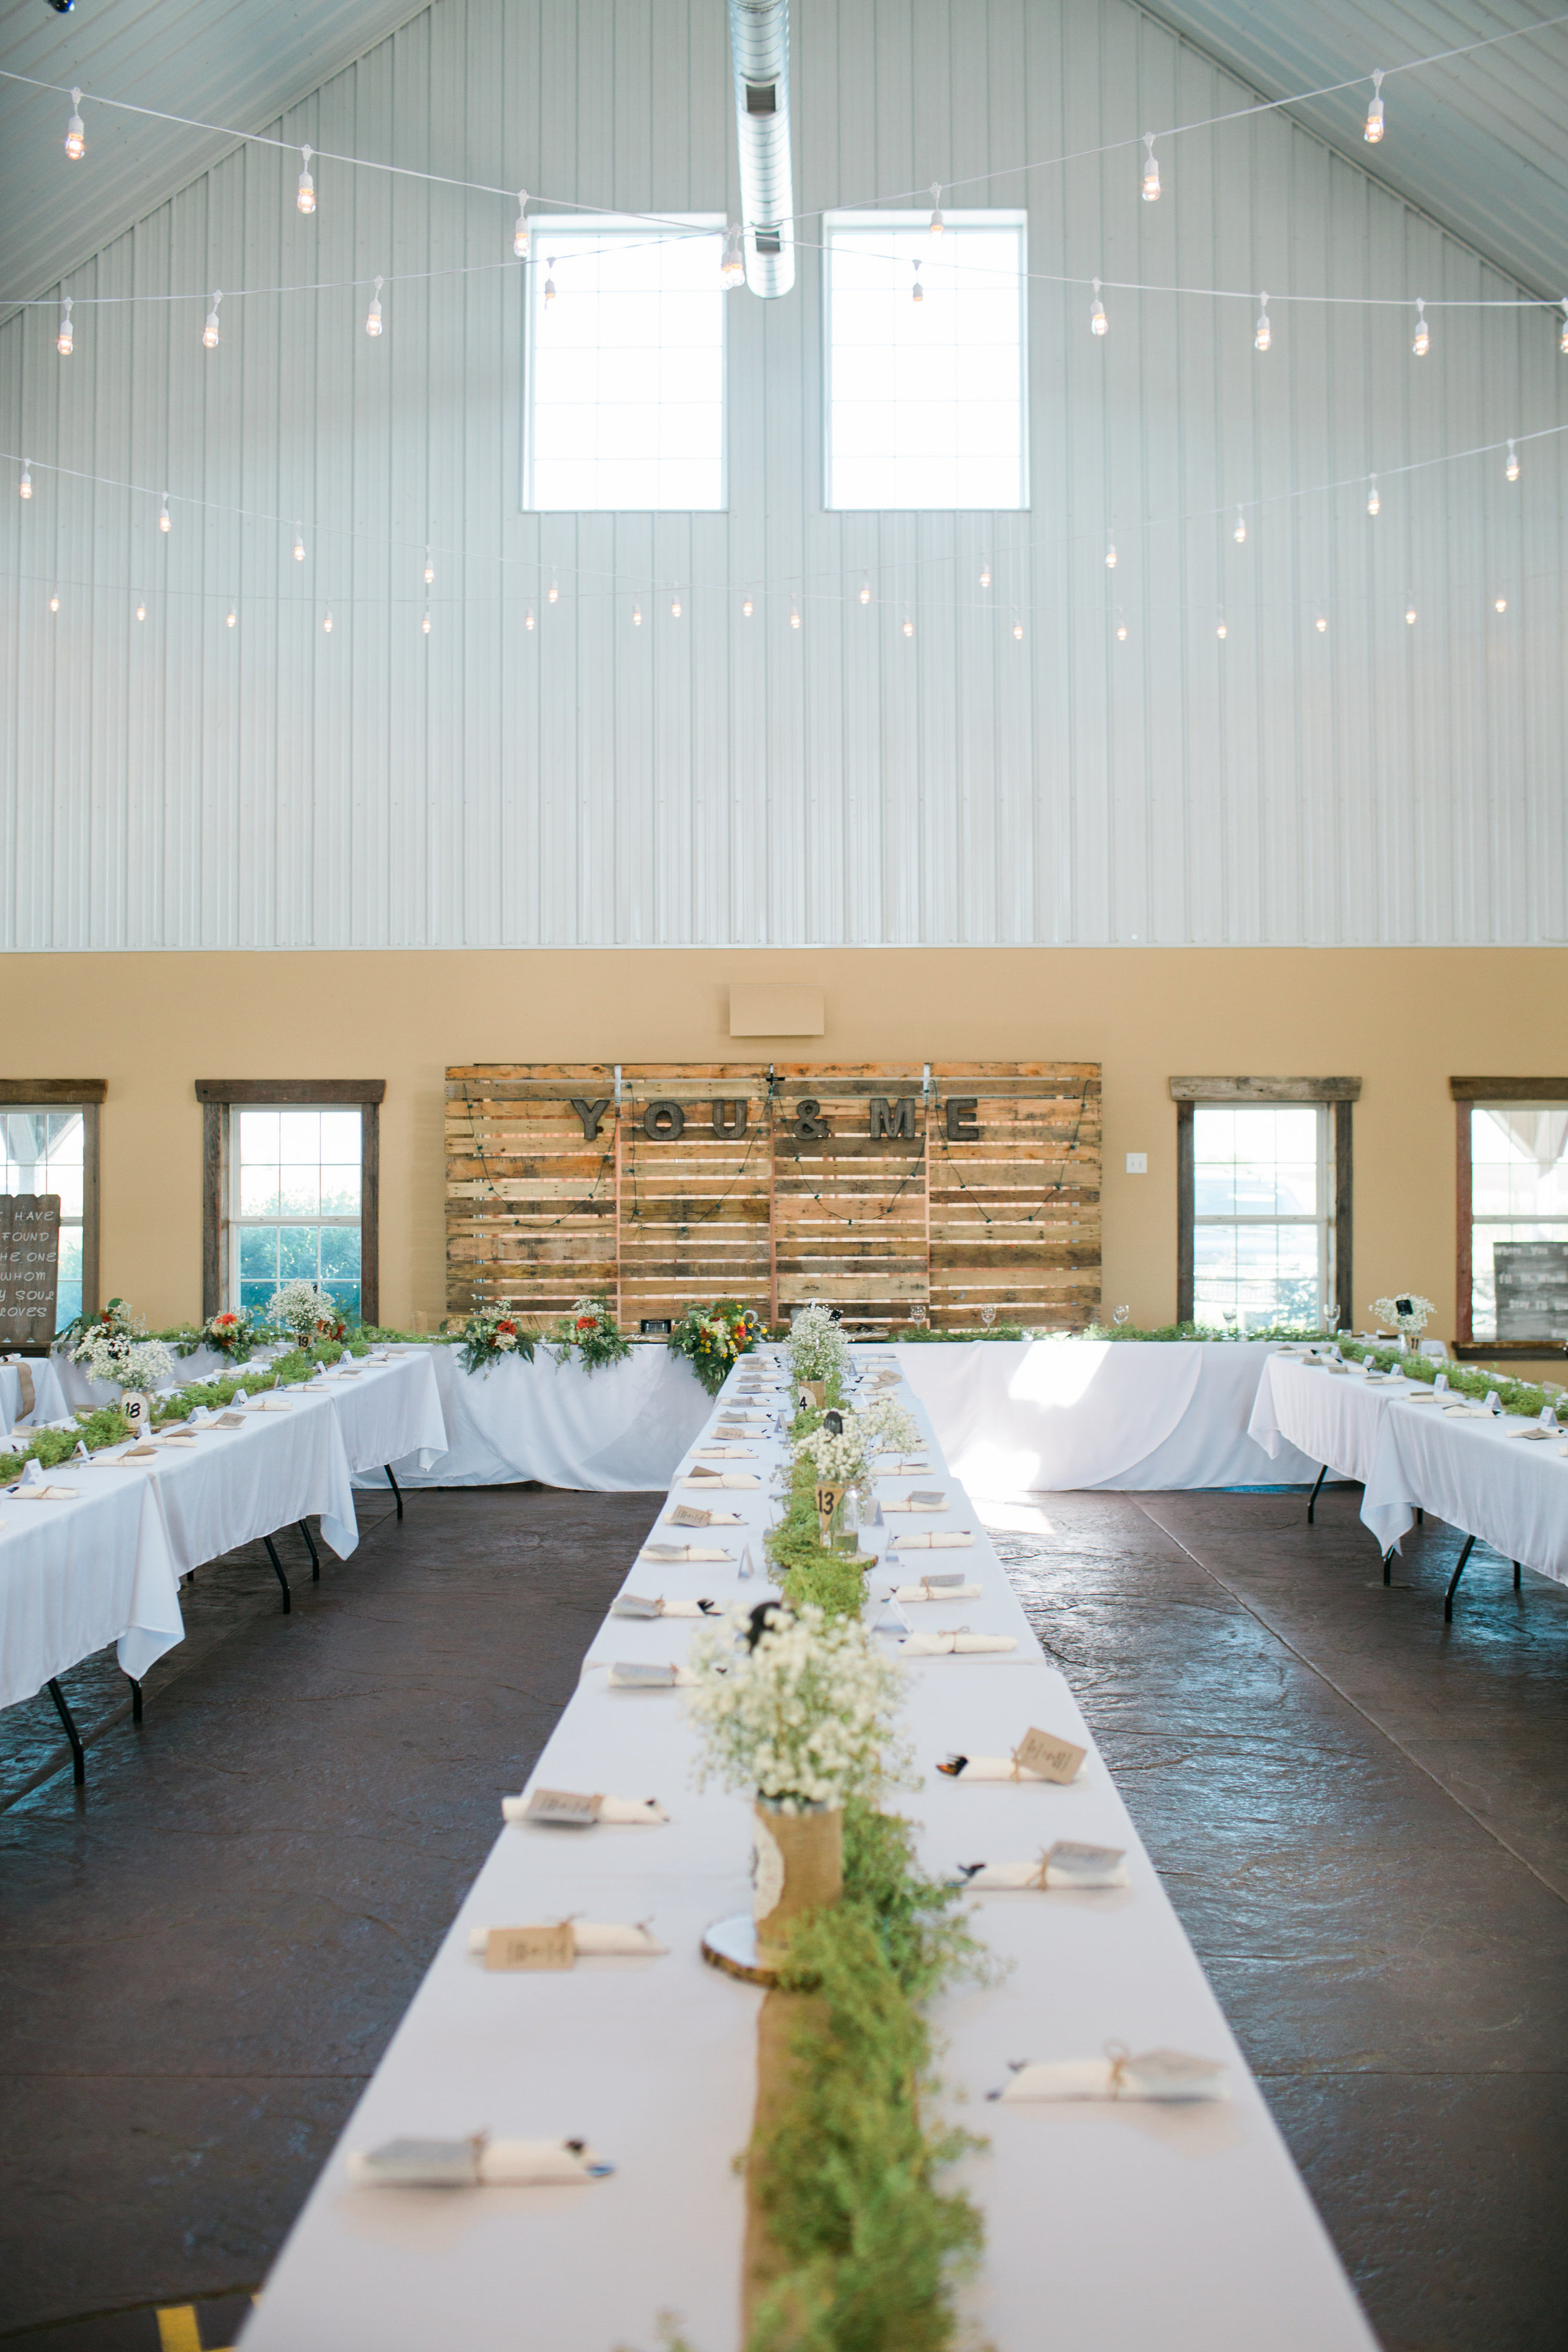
(877, 1186)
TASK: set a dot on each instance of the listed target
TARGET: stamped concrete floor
(1362, 1818)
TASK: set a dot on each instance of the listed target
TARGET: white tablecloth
(388, 1412)
(1484, 1477)
(1177, 2230)
(76, 1576)
(49, 1398)
(1148, 1415)
(1333, 1418)
(233, 1485)
(618, 1430)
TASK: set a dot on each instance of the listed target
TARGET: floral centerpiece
(232, 1332)
(799, 1709)
(491, 1333)
(590, 1333)
(817, 1349)
(306, 1313)
(1408, 1313)
(136, 1364)
(114, 1321)
(713, 1337)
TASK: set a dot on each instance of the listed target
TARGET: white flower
(1408, 1312)
(299, 1307)
(131, 1364)
(506, 1338)
(816, 1347)
(805, 1715)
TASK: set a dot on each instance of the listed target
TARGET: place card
(686, 1515)
(1048, 1757)
(562, 1809)
(635, 1604)
(531, 1947)
(635, 1674)
(228, 1421)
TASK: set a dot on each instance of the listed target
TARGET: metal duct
(759, 50)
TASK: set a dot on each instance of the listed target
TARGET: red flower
(504, 1326)
(587, 1322)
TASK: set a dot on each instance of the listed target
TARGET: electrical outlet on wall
(1138, 1163)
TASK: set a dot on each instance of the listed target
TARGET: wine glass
(1120, 1314)
(988, 1315)
(918, 1314)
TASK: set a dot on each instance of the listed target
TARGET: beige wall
(1401, 1019)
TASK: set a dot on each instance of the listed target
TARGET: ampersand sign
(809, 1124)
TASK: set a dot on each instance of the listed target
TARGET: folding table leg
(1388, 1565)
(315, 1555)
(395, 1488)
(79, 1754)
(1312, 1497)
(277, 1571)
(1454, 1580)
(135, 1698)
(1420, 1517)
(1516, 1575)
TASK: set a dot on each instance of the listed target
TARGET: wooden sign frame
(880, 1188)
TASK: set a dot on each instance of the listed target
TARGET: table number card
(531, 1947)
(1050, 1759)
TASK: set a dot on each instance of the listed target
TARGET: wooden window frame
(217, 1098)
(86, 1095)
(1342, 1094)
(1466, 1094)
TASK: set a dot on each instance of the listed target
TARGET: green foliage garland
(834, 1580)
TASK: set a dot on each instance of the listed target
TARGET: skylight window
(926, 398)
(624, 407)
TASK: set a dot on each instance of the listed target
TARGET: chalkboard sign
(1531, 1280)
(29, 1268)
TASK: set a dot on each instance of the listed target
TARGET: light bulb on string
(1017, 629)
(1111, 557)
(519, 234)
(210, 332)
(1221, 631)
(373, 316)
(429, 570)
(550, 281)
(747, 608)
(327, 622)
(164, 522)
(1150, 170)
(76, 137)
(864, 587)
(65, 341)
(985, 572)
(298, 545)
(1263, 334)
(909, 625)
(1322, 625)
(1372, 130)
(795, 616)
(637, 616)
(1410, 613)
(305, 197)
(1121, 627)
(1239, 533)
(675, 608)
(1373, 503)
(553, 594)
(732, 269)
(141, 608)
(425, 623)
(24, 487)
(232, 619)
(1563, 330)
(1421, 341)
(1499, 603)
(1099, 324)
(1510, 471)
(54, 600)
(527, 618)
(917, 294)
(937, 222)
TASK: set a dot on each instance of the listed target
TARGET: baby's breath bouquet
(816, 1346)
(134, 1364)
(306, 1313)
(838, 1458)
(1407, 1313)
(888, 1426)
(804, 1716)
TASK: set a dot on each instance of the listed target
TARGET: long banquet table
(76, 1576)
(1115, 2228)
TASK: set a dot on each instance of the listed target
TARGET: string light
(24, 487)
(1372, 130)
(140, 609)
(747, 608)
(306, 197)
(429, 570)
(1239, 533)
(1017, 628)
(554, 594)
(918, 294)
(373, 316)
(1121, 627)
(76, 137)
(732, 269)
(209, 332)
(519, 234)
(54, 600)
(1423, 339)
(1510, 471)
(1150, 170)
(985, 572)
(909, 625)
(864, 587)
(65, 341)
(1373, 503)
(327, 622)
(1111, 557)
(1410, 613)
(637, 616)
(550, 281)
(233, 618)
(527, 618)
(675, 608)
(299, 546)
(1563, 335)
(1263, 334)
(1322, 625)
(795, 616)
(425, 623)
(937, 222)
(1222, 632)
(164, 523)
(1499, 603)
(1099, 324)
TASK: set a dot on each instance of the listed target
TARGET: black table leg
(1454, 1580)
(1388, 1565)
(277, 1571)
(1516, 1575)
(79, 1754)
(1312, 1497)
(315, 1555)
(395, 1488)
(135, 1698)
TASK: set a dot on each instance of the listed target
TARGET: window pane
(926, 405)
(341, 1136)
(258, 1191)
(300, 1189)
(298, 1253)
(258, 1135)
(626, 367)
(299, 1135)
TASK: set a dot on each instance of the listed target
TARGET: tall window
(295, 1215)
(49, 1130)
(1513, 1215)
(290, 1190)
(1263, 1200)
(926, 398)
(625, 406)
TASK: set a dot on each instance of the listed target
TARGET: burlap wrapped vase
(800, 1866)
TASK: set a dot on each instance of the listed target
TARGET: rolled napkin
(919, 1498)
(135, 1456)
(569, 1809)
(591, 1939)
(900, 1465)
(629, 1674)
(632, 1605)
(726, 1453)
(476, 2163)
(663, 1555)
(935, 1539)
(721, 1479)
(1039, 1756)
(176, 1437)
(741, 1420)
(938, 1588)
(42, 1493)
(956, 1644)
(1169, 2076)
(1063, 1865)
(268, 1405)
